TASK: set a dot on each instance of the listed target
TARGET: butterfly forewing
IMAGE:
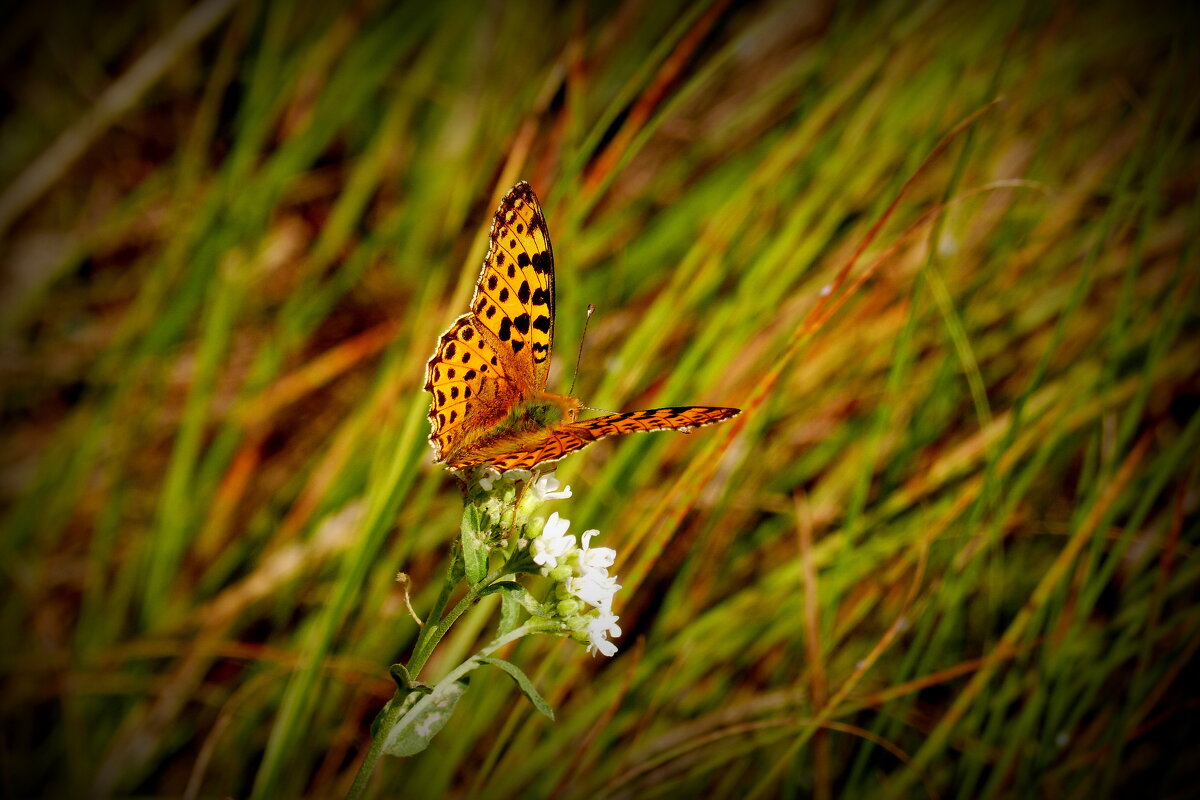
(555, 442)
(514, 300)
(468, 383)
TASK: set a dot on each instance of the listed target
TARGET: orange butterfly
(488, 375)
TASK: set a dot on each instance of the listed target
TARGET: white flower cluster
(583, 588)
(582, 578)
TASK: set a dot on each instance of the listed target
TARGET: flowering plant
(500, 525)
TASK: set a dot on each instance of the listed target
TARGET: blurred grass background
(948, 551)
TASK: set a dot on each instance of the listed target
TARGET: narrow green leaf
(474, 544)
(424, 718)
(405, 698)
(523, 683)
(510, 614)
(511, 590)
(404, 681)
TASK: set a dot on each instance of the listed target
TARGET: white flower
(514, 475)
(553, 543)
(555, 526)
(595, 587)
(595, 558)
(599, 628)
(547, 552)
(546, 488)
(487, 477)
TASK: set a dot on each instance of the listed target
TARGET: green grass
(949, 549)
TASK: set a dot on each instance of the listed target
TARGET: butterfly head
(569, 406)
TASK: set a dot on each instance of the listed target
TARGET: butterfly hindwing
(514, 299)
(469, 386)
(555, 442)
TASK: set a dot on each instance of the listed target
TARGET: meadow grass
(947, 550)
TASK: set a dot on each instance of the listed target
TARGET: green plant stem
(391, 714)
(427, 640)
(395, 710)
(432, 634)
(453, 575)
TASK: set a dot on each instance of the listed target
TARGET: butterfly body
(488, 374)
(524, 423)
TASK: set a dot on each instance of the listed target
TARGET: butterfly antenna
(601, 410)
(582, 338)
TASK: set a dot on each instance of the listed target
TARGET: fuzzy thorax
(542, 412)
(526, 421)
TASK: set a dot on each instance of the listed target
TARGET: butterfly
(488, 374)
